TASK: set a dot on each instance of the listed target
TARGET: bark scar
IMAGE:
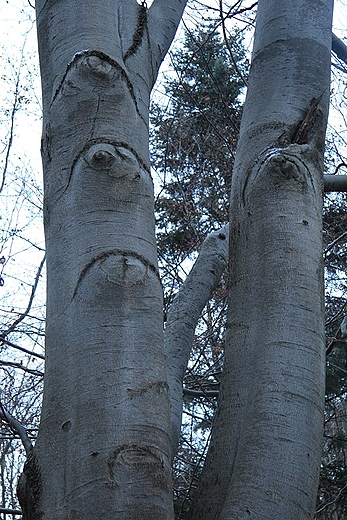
(288, 162)
(139, 31)
(101, 140)
(107, 254)
(79, 56)
(305, 127)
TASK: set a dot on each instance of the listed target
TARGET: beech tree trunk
(104, 446)
(106, 438)
(264, 458)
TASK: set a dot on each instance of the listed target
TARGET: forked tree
(113, 387)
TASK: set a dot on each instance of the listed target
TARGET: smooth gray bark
(183, 316)
(335, 183)
(264, 458)
(103, 449)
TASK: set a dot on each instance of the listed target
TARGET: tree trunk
(103, 449)
(264, 458)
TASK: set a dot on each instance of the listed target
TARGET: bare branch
(201, 393)
(22, 349)
(17, 427)
(332, 501)
(10, 511)
(339, 48)
(184, 313)
(226, 40)
(31, 299)
(12, 118)
(21, 367)
(334, 242)
(335, 183)
(163, 19)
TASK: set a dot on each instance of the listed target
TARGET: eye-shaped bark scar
(117, 161)
(279, 168)
(123, 270)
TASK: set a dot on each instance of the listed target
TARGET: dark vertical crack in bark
(139, 31)
(305, 128)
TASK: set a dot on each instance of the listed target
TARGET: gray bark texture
(104, 445)
(335, 183)
(264, 458)
(183, 316)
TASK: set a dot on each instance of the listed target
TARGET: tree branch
(21, 367)
(335, 183)
(22, 349)
(10, 511)
(200, 393)
(17, 427)
(31, 299)
(334, 242)
(226, 40)
(184, 313)
(164, 17)
(339, 48)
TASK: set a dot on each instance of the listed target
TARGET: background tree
(193, 142)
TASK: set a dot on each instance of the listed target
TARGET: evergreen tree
(192, 145)
(194, 140)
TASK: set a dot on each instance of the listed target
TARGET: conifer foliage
(194, 139)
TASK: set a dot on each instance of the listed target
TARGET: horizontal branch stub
(335, 183)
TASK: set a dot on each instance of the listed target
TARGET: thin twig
(332, 501)
(13, 112)
(337, 315)
(10, 140)
(13, 364)
(31, 299)
(226, 40)
(22, 349)
(201, 393)
(334, 242)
